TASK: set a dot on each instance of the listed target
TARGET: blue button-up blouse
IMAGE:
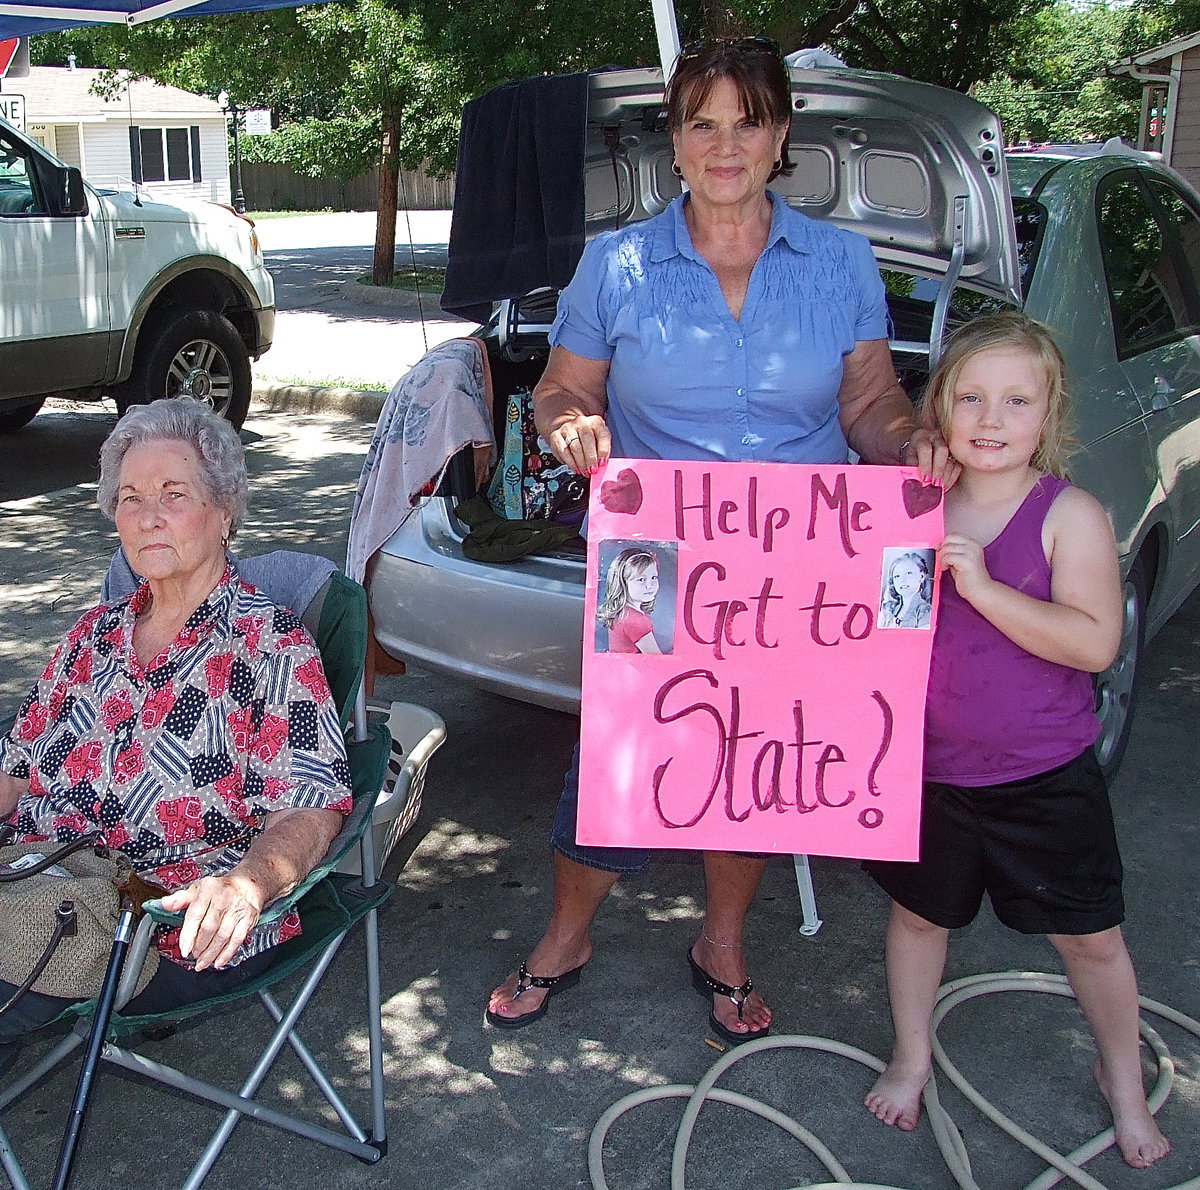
(689, 381)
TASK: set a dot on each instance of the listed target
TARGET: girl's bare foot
(896, 1096)
(544, 961)
(1138, 1137)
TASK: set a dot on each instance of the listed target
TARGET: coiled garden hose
(946, 1135)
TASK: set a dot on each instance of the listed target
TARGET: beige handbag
(29, 913)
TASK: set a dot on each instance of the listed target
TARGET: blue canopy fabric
(21, 18)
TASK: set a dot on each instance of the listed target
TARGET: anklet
(714, 942)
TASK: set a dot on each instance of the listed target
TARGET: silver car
(1102, 245)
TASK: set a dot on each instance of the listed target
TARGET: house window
(165, 154)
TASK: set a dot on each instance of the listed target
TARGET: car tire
(14, 419)
(1116, 687)
(191, 353)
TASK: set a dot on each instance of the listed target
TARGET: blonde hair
(1011, 329)
(622, 570)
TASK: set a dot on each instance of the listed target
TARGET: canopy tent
(21, 19)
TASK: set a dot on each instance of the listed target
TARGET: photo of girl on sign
(637, 577)
(907, 598)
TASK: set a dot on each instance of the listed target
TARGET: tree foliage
(331, 71)
(1059, 87)
(342, 77)
(946, 42)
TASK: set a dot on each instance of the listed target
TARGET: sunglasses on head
(741, 45)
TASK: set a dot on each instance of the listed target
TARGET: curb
(298, 398)
(354, 292)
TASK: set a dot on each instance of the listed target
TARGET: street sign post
(12, 109)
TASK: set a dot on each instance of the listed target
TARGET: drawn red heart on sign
(623, 494)
(920, 498)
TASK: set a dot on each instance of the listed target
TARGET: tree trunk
(383, 267)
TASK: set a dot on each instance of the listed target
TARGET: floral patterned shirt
(178, 761)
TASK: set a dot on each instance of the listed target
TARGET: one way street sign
(12, 109)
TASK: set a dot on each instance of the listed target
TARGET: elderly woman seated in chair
(190, 723)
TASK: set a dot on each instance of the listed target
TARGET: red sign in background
(8, 51)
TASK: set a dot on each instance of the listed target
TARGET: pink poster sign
(755, 656)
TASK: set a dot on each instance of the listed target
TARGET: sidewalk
(329, 333)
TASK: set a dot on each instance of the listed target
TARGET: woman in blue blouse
(729, 327)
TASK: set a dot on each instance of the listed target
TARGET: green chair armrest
(275, 910)
(368, 768)
(155, 911)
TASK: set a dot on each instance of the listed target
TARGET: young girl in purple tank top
(1015, 804)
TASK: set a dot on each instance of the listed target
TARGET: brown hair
(1012, 329)
(756, 68)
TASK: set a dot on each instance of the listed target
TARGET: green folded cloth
(494, 539)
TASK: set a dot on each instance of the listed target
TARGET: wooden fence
(271, 187)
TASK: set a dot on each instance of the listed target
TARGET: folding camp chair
(330, 904)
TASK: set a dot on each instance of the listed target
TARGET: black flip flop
(708, 987)
(525, 982)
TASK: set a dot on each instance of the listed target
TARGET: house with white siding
(168, 140)
(1170, 78)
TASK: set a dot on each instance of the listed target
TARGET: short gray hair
(179, 419)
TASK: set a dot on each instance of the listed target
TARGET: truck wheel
(1116, 687)
(14, 419)
(191, 353)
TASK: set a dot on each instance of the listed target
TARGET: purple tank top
(996, 713)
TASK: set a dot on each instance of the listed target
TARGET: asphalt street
(471, 1107)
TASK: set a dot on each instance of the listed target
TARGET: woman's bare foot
(546, 961)
(896, 1096)
(1138, 1137)
(728, 965)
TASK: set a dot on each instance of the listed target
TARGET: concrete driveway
(471, 1107)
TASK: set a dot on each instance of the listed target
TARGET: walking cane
(95, 1043)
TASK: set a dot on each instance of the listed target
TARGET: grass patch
(366, 386)
(259, 215)
(426, 278)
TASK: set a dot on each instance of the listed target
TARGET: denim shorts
(626, 861)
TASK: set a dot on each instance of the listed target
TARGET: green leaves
(331, 71)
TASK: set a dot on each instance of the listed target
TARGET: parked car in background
(1103, 246)
(106, 293)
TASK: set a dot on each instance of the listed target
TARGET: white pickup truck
(108, 293)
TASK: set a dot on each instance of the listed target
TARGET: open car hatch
(917, 169)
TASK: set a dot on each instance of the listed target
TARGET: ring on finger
(568, 441)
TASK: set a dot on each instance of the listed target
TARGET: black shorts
(1044, 850)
